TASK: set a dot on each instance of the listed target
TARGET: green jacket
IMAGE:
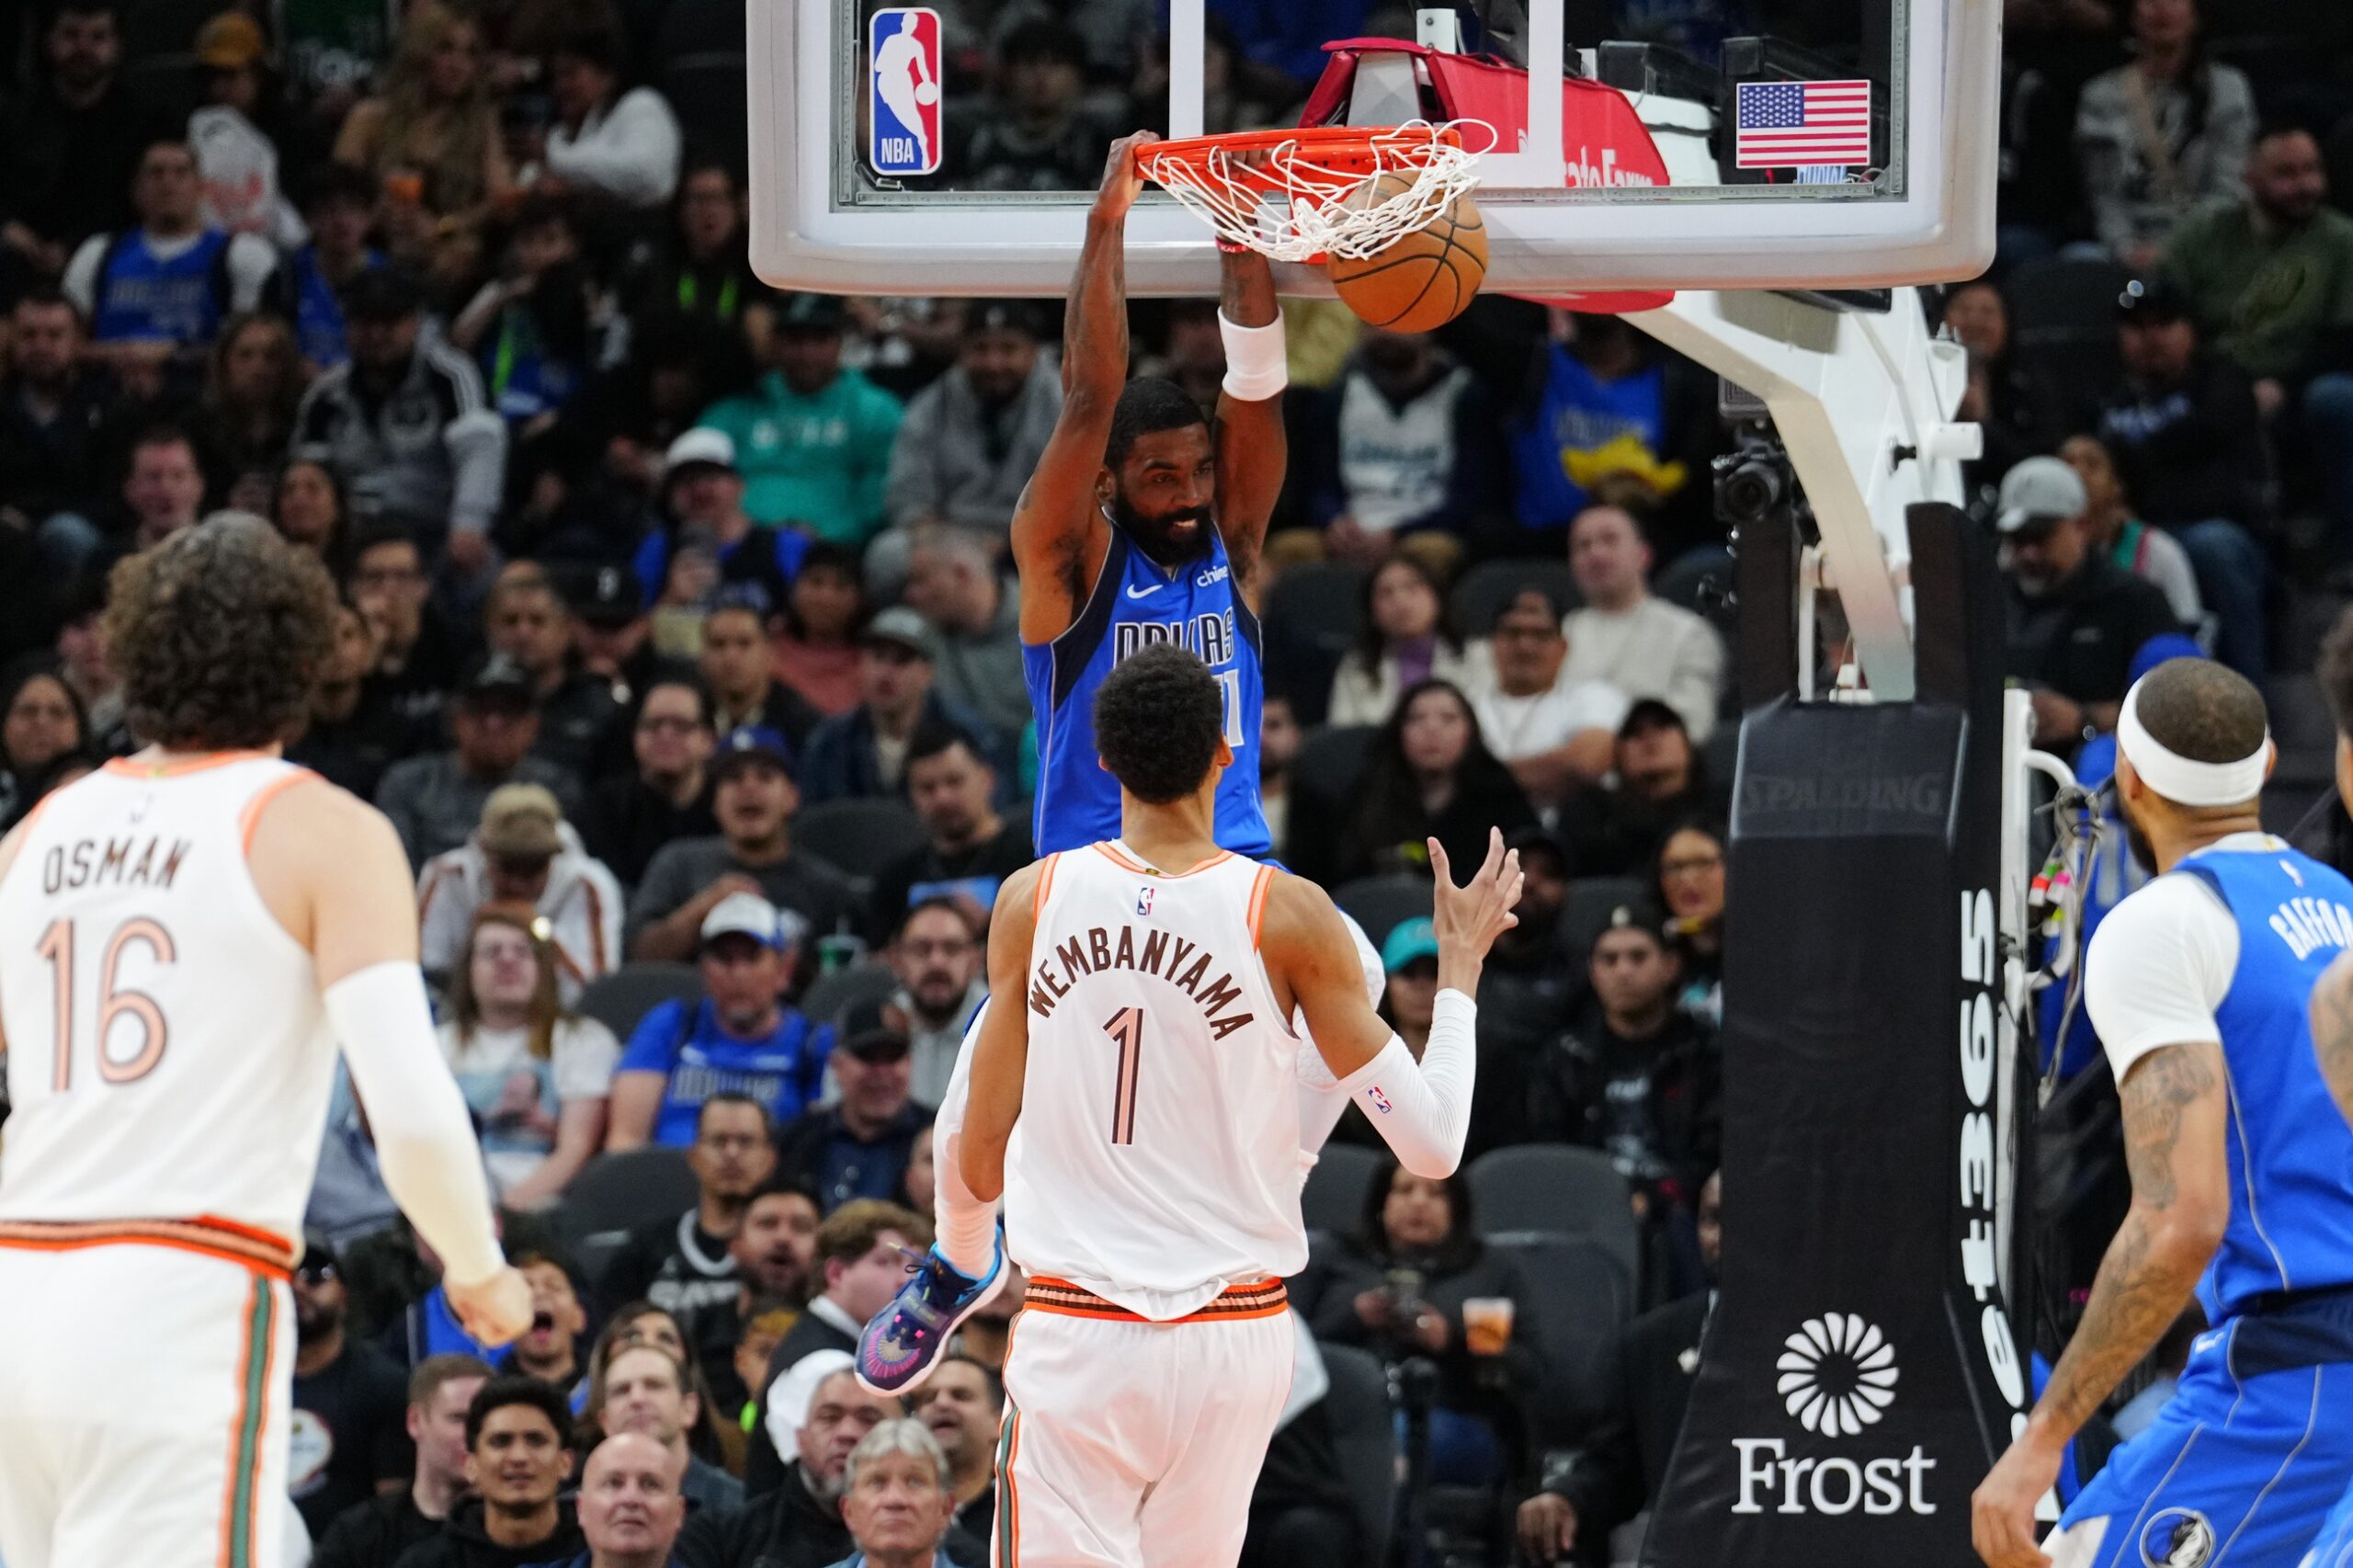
(819, 461)
(2269, 302)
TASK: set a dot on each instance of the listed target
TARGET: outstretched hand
(1469, 918)
(1122, 180)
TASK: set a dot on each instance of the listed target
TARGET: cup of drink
(1486, 1324)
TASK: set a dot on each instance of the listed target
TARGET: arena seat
(2063, 333)
(1559, 1188)
(1333, 1199)
(1579, 1298)
(860, 836)
(1481, 593)
(1382, 904)
(831, 995)
(1330, 762)
(620, 999)
(1309, 616)
(613, 1194)
(1362, 1434)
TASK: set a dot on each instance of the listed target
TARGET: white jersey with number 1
(1155, 1161)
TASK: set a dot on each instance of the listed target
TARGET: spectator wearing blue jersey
(338, 206)
(164, 288)
(739, 1040)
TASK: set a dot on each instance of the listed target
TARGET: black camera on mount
(1755, 481)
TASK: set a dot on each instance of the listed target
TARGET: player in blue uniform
(1143, 524)
(2199, 985)
(2332, 1024)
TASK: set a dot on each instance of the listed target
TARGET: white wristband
(1257, 360)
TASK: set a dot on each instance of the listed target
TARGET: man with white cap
(2199, 984)
(702, 501)
(739, 1039)
(2075, 617)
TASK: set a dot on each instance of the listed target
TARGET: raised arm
(1421, 1109)
(1001, 1051)
(1251, 450)
(1059, 536)
(2174, 1128)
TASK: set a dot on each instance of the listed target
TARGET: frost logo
(1838, 1374)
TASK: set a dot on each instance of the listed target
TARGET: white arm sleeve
(424, 1138)
(1321, 1102)
(2158, 966)
(1423, 1111)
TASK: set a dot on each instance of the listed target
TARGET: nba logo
(1380, 1101)
(902, 96)
(1143, 899)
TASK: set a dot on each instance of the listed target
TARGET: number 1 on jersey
(1229, 686)
(1126, 1028)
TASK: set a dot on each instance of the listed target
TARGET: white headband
(2178, 778)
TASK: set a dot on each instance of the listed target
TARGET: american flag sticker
(903, 76)
(1783, 125)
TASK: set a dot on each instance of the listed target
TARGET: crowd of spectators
(678, 630)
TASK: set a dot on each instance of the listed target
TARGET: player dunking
(1141, 526)
(1131, 1098)
(2199, 985)
(185, 935)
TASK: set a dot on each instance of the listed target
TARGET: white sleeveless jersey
(169, 1055)
(1156, 1160)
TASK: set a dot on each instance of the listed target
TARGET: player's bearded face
(1171, 538)
(2136, 837)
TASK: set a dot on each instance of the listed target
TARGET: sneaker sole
(914, 1380)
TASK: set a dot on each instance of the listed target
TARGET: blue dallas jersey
(2291, 1153)
(1137, 602)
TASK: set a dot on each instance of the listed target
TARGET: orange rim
(1345, 150)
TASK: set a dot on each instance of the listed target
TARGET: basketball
(1421, 281)
(926, 93)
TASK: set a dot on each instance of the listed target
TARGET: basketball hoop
(1298, 195)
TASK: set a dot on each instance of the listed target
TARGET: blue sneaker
(903, 1342)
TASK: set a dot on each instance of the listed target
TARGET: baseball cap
(496, 677)
(230, 41)
(607, 597)
(868, 1033)
(521, 821)
(2152, 299)
(812, 313)
(1648, 714)
(749, 915)
(318, 1249)
(1008, 315)
(381, 294)
(747, 743)
(2037, 493)
(1411, 940)
(700, 446)
(902, 628)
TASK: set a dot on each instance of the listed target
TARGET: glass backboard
(1665, 144)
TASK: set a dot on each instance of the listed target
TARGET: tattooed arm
(2331, 1014)
(2174, 1127)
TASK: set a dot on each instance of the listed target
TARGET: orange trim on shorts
(1122, 861)
(1258, 886)
(1009, 1526)
(250, 818)
(1045, 886)
(266, 1254)
(130, 768)
(1257, 1299)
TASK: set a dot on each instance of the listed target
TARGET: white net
(1291, 201)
